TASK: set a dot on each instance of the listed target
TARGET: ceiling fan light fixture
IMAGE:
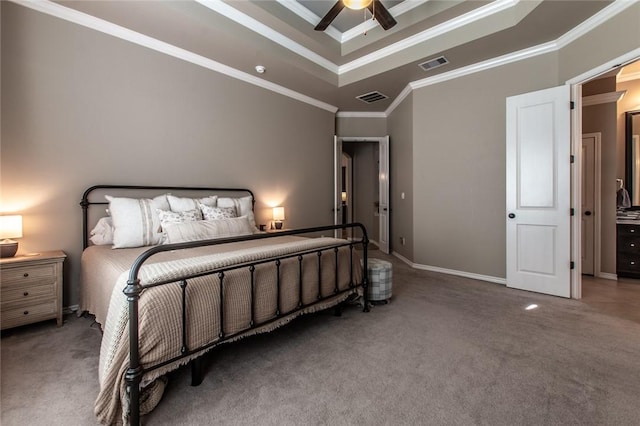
(356, 4)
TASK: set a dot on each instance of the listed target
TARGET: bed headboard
(94, 197)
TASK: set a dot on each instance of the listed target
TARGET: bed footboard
(134, 289)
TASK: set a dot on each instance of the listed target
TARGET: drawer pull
(633, 263)
(632, 244)
(26, 312)
(26, 293)
(632, 230)
(26, 274)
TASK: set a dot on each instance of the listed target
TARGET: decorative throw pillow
(215, 213)
(181, 204)
(243, 206)
(207, 229)
(135, 221)
(102, 233)
(167, 216)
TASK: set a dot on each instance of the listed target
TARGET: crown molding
(106, 27)
(258, 27)
(445, 27)
(628, 77)
(85, 20)
(599, 18)
(602, 98)
(472, 69)
(360, 114)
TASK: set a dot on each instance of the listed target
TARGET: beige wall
(81, 108)
(459, 165)
(401, 160)
(459, 148)
(361, 126)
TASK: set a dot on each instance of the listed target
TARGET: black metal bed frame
(134, 288)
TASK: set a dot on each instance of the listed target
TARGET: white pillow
(181, 204)
(207, 229)
(102, 233)
(135, 221)
(167, 216)
(243, 206)
(215, 213)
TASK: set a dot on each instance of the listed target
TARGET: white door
(383, 195)
(538, 192)
(588, 210)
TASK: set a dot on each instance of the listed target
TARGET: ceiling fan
(379, 12)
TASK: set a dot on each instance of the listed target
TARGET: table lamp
(10, 227)
(278, 216)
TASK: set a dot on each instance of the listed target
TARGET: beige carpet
(445, 351)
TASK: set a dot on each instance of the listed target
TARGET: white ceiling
(333, 67)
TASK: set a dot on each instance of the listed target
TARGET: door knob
(587, 213)
(512, 215)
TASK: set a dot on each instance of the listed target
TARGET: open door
(383, 185)
(538, 191)
(383, 196)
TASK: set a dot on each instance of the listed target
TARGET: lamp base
(8, 248)
(278, 225)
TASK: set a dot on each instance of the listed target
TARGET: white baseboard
(607, 276)
(70, 309)
(495, 280)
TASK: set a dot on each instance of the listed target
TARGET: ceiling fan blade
(382, 15)
(330, 16)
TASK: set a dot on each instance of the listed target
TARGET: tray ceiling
(336, 66)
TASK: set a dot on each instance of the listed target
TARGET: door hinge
(572, 265)
(572, 158)
(572, 105)
(573, 211)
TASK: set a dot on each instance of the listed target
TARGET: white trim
(599, 18)
(360, 114)
(453, 24)
(607, 276)
(85, 20)
(354, 32)
(258, 27)
(602, 98)
(531, 52)
(495, 280)
(575, 192)
(625, 59)
(628, 77)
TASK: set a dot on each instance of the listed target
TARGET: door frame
(576, 150)
(597, 189)
(337, 149)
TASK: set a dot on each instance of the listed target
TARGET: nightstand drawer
(27, 295)
(31, 288)
(27, 315)
(28, 275)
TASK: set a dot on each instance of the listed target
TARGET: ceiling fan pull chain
(365, 21)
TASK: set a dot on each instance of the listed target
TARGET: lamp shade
(278, 213)
(10, 226)
(356, 4)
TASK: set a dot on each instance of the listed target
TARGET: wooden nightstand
(31, 288)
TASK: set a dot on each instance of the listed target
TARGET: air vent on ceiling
(372, 97)
(433, 63)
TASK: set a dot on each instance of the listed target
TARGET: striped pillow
(207, 229)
